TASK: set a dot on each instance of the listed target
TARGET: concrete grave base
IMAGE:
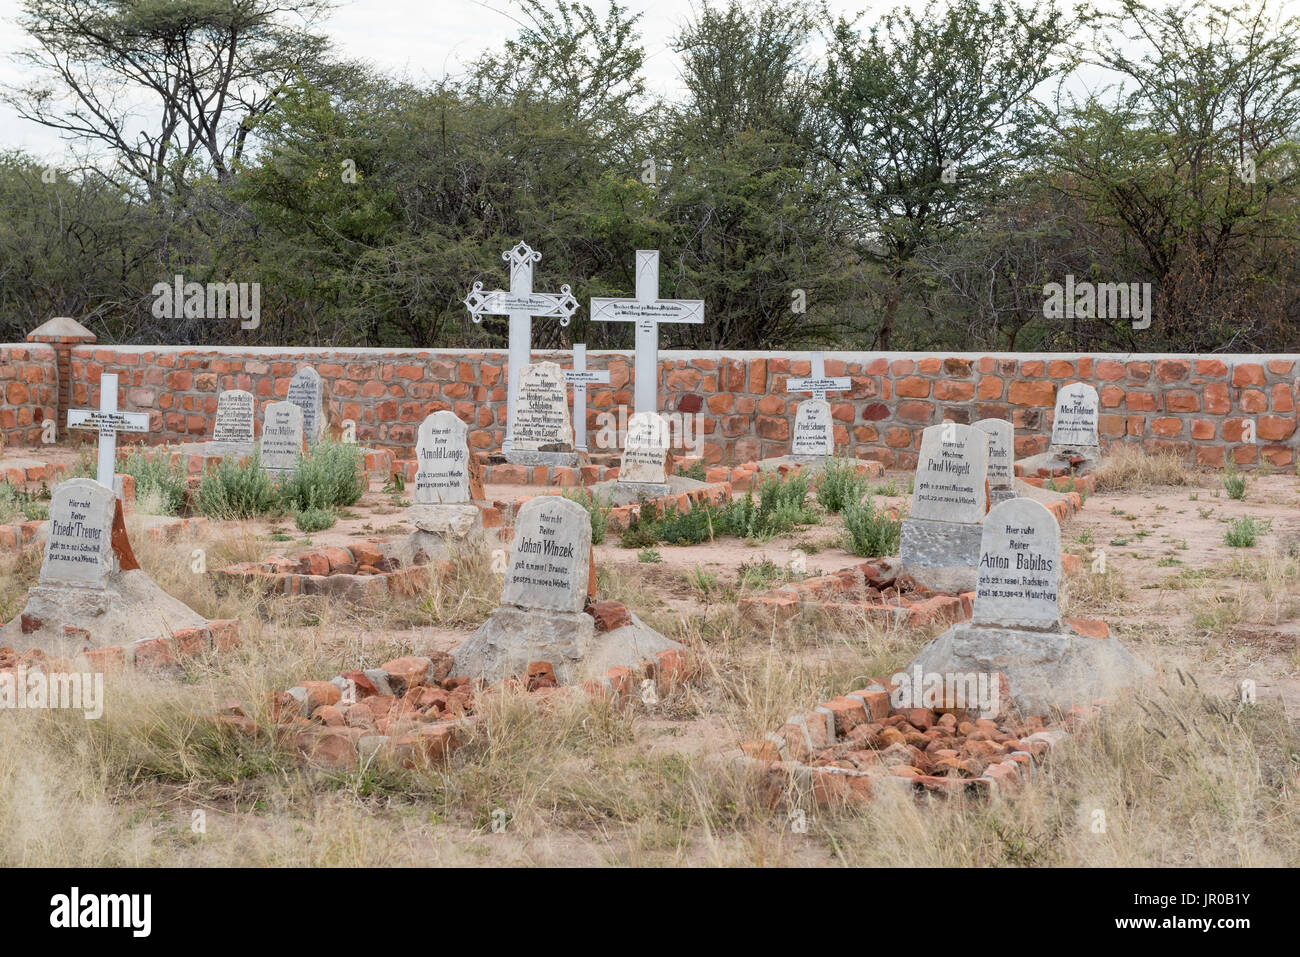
(817, 463)
(999, 495)
(513, 637)
(630, 493)
(452, 521)
(515, 457)
(65, 620)
(1061, 457)
(940, 556)
(1059, 668)
(648, 489)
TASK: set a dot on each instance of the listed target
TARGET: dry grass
(1128, 468)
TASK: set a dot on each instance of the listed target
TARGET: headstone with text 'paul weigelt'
(549, 577)
(939, 541)
(1016, 629)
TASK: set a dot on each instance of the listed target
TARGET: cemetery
(616, 515)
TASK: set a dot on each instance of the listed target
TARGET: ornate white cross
(579, 376)
(521, 304)
(107, 421)
(647, 310)
(818, 384)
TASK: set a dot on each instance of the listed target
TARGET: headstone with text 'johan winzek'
(549, 578)
(1016, 628)
(939, 541)
(91, 592)
(1002, 458)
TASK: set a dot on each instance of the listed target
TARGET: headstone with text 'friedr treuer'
(1016, 628)
(939, 541)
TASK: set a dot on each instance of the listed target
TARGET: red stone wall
(29, 390)
(1198, 406)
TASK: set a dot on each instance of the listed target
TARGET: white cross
(521, 304)
(647, 310)
(579, 376)
(818, 384)
(108, 422)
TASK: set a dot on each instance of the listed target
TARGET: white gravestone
(939, 540)
(306, 392)
(814, 430)
(442, 460)
(79, 549)
(281, 437)
(950, 474)
(550, 557)
(234, 425)
(645, 452)
(107, 421)
(1019, 569)
(580, 377)
(1002, 457)
(1074, 423)
(542, 413)
(521, 305)
(647, 310)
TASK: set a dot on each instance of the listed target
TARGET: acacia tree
(170, 88)
(929, 116)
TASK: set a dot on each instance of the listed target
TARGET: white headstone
(306, 392)
(281, 436)
(521, 305)
(1002, 445)
(550, 557)
(1019, 568)
(647, 310)
(79, 549)
(645, 451)
(1075, 420)
(234, 424)
(542, 412)
(442, 460)
(107, 421)
(950, 475)
(814, 432)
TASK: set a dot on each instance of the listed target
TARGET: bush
(780, 505)
(1235, 483)
(869, 532)
(159, 486)
(17, 505)
(696, 471)
(332, 475)
(315, 519)
(840, 485)
(597, 510)
(235, 489)
(1244, 532)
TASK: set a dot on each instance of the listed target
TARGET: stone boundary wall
(1198, 406)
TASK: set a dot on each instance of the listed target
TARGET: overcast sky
(424, 39)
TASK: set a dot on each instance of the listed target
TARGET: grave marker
(442, 460)
(521, 305)
(647, 310)
(1002, 439)
(1019, 568)
(550, 557)
(542, 429)
(645, 453)
(234, 424)
(939, 541)
(79, 548)
(107, 421)
(282, 437)
(1074, 423)
(579, 377)
(307, 393)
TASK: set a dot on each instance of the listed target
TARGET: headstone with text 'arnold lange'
(1016, 629)
(447, 484)
(939, 541)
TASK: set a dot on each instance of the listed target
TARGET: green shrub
(1244, 532)
(696, 471)
(778, 506)
(332, 475)
(649, 556)
(1235, 483)
(235, 489)
(598, 510)
(159, 485)
(869, 532)
(315, 519)
(840, 485)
